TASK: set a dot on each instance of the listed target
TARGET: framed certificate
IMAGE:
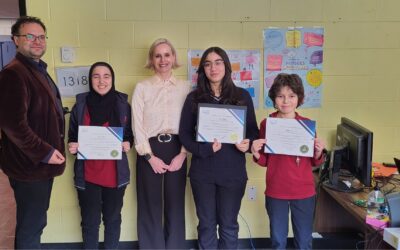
(100, 143)
(290, 137)
(226, 123)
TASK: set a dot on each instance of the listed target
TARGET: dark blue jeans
(94, 201)
(32, 199)
(302, 216)
(217, 205)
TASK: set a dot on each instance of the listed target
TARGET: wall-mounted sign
(73, 80)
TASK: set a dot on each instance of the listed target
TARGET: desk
(335, 212)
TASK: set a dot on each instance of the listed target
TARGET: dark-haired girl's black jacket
(226, 164)
(76, 119)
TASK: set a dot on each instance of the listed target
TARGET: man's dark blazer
(30, 122)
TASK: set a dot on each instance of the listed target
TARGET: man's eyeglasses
(216, 63)
(31, 37)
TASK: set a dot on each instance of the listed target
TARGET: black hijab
(102, 109)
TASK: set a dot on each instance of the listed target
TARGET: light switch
(67, 54)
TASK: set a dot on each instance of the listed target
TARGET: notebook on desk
(381, 170)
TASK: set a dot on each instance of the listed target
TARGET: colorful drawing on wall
(293, 39)
(245, 70)
(299, 51)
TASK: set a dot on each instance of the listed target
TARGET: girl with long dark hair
(218, 170)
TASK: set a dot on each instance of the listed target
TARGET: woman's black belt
(165, 138)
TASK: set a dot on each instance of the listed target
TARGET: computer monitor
(353, 152)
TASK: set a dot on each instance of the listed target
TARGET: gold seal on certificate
(234, 137)
(100, 143)
(290, 137)
(304, 149)
(114, 153)
(226, 123)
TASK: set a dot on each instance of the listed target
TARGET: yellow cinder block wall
(361, 54)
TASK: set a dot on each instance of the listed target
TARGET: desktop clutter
(382, 205)
(383, 208)
(376, 203)
(391, 231)
(383, 211)
(349, 168)
(392, 234)
(377, 209)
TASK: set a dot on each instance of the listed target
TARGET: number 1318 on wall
(73, 80)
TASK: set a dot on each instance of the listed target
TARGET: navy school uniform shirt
(226, 164)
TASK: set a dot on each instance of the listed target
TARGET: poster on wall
(295, 51)
(245, 70)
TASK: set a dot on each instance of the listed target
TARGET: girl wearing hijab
(101, 183)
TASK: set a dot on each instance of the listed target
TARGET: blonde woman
(161, 163)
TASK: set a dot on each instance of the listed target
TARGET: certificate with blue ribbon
(226, 123)
(290, 137)
(100, 143)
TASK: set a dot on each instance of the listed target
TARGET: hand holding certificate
(100, 143)
(290, 137)
(226, 123)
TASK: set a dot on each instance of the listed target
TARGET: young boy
(289, 180)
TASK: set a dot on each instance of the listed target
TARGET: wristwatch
(147, 156)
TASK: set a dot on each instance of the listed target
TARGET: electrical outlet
(251, 193)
